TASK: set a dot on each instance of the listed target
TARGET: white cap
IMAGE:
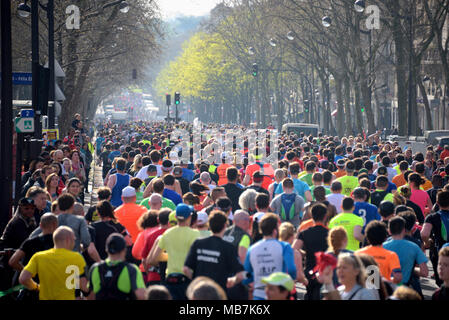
(202, 218)
(128, 192)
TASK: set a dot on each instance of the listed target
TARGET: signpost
(24, 125)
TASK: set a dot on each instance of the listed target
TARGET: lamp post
(6, 126)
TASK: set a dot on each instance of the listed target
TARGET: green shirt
(176, 242)
(166, 203)
(124, 282)
(349, 183)
(307, 178)
(348, 221)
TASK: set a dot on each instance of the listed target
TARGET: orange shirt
(387, 260)
(221, 171)
(339, 173)
(444, 154)
(128, 214)
(306, 225)
(427, 184)
(399, 180)
(267, 171)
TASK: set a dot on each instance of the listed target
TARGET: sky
(173, 8)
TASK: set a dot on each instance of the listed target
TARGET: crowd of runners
(348, 218)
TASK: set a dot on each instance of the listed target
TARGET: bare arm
(26, 279)
(111, 182)
(308, 196)
(297, 244)
(148, 190)
(178, 189)
(188, 272)
(358, 233)
(242, 254)
(422, 270)
(93, 253)
(15, 261)
(425, 233)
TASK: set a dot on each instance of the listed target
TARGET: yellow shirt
(177, 242)
(59, 271)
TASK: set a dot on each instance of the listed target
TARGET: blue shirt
(265, 257)
(300, 188)
(367, 211)
(188, 174)
(409, 254)
(113, 154)
(172, 195)
(99, 142)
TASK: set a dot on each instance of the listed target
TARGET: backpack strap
(353, 295)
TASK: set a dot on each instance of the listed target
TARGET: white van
(297, 128)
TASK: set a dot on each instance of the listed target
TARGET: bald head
(241, 219)
(78, 209)
(205, 177)
(48, 223)
(63, 237)
(155, 201)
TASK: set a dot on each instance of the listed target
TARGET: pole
(19, 159)
(35, 65)
(6, 117)
(411, 124)
(51, 63)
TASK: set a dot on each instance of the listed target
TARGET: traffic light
(255, 69)
(306, 106)
(168, 99)
(362, 109)
(134, 74)
(177, 98)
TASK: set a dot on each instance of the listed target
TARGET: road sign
(24, 125)
(27, 113)
(25, 78)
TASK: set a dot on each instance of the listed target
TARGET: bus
(297, 128)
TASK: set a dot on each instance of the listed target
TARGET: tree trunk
(347, 101)
(357, 108)
(422, 89)
(340, 107)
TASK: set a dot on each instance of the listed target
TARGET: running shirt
(367, 212)
(122, 181)
(349, 183)
(348, 221)
(300, 188)
(409, 254)
(266, 257)
(387, 260)
(336, 199)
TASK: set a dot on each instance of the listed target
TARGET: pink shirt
(420, 198)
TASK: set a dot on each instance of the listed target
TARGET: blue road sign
(25, 78)
(27, 113)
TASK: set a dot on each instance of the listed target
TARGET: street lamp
(273, 42)
(359, 6)
(326, 21)
(290, 36)
(251, 51)
(24, 10)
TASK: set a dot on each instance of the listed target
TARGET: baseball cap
(167, 165)
(202, 218)
(183, 211)
(279, 279)
(26, 201)
(340, 163)
(115, 243)
(177, 170)
(128, 192)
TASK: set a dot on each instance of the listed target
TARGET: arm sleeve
(289, 260)
(395, 263)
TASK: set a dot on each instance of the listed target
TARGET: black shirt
(441, 294)
(102, 230)
(314, 240)
(104, 156)
(17, 231)
(435, 220)
(258, 189)
(184, 185)
(36, 244)
(417, 209)
(92, 215)
(213, 257)
(233, 192)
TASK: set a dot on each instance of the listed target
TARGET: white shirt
(142, 174)
(336, 199)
